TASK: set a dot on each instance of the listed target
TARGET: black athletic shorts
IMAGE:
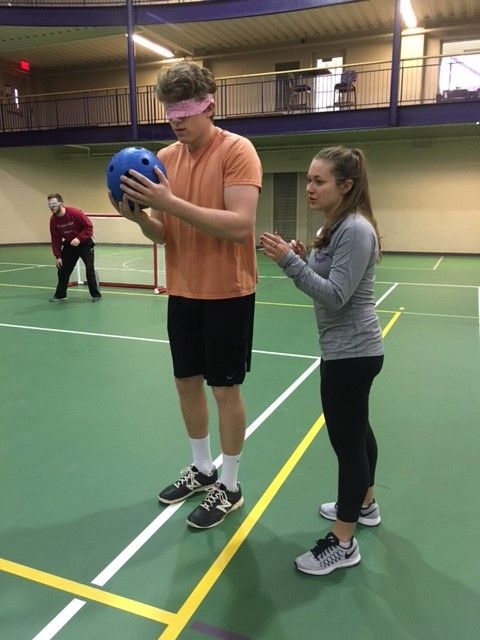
(212, 338)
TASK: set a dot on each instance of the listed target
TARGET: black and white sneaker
(327, 555)
(369, 516)
(215, 507)
(191, 481)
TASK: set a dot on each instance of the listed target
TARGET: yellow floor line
(177, 622)
(391, 322)
(199, 593)
(87, 592)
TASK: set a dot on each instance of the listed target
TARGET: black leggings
(345, 390)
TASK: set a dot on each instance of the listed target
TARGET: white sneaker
(327, 555)
(369, 516)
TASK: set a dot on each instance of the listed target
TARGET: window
(326, 81)
(460, 68)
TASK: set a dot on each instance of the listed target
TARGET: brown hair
(183, 81)
(348, 164)
(55, 195)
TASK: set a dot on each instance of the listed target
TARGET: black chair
(300, 93)
(345, 91)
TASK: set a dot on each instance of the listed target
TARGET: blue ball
(138, 158)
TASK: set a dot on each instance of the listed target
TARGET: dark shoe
(55, 299)
(96, 298)
(327, 555)
(215, 507)
(191, 481)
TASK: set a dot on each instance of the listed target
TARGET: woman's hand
(274, 246)
(299, 248)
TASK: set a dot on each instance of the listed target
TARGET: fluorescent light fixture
(156, 48)
(408, 14)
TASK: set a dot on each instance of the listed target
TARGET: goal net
(124, 257)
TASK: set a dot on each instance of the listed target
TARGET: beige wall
(221, 66)
(426, 198)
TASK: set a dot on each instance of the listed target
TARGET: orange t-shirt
(198, 265)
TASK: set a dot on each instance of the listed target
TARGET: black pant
(70, 256)
(345, 390)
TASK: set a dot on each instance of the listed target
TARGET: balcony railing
(85, 3)
(268, 94)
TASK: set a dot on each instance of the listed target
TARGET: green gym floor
(91, 430)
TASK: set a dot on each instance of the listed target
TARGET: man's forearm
(219, 223)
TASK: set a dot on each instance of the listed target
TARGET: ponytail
(348, 164)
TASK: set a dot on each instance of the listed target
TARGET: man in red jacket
(72, 238)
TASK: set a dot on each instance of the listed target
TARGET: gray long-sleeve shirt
(340, 278)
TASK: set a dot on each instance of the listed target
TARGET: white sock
(229, 475)
(345, 545)
(202, 456)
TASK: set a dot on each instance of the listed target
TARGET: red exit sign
(24, 65)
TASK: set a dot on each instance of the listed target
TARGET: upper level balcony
(296, 101)
(360, 91)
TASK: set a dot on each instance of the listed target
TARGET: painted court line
(74, 606)
(431, 284)
(437, 263)
(202, 589)
(479, 305)
(206, 583)
(91, 593)
(26, 264)
(66, 614)
(135, 338)
(55, 625)
(387, 293)
(215, 632)
(17, 269)
(387, 268)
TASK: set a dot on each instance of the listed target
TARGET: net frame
(103, 238)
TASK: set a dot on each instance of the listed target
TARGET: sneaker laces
(216, 497)
(327, 550)
(187, 477)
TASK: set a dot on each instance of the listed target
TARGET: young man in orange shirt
(204, 213)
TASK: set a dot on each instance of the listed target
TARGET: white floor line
(437, 263)
(437, 315)
(274, 277)
(57, 623)
(137, 338)
(429, 284)
(82, 333)
(26, 264)
(386, 267)
(479, 307)
(64, 616)
(387, 293)
(285, 355)
(18, 269)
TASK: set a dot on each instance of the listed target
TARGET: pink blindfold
(186, 108)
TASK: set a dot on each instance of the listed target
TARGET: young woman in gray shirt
(339, 275)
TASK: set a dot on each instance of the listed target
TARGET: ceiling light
(143, 42)
(408, 14)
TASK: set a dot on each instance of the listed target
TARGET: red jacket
(73, 224)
